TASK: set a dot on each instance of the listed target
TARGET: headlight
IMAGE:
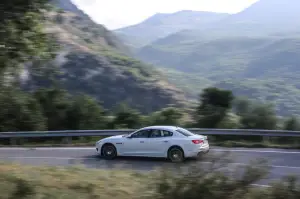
(98, 142)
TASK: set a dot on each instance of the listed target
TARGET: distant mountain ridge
(255, 52)
(161, 25)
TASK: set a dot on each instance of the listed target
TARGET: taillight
(198, 141)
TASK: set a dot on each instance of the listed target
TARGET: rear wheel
(109, 151)
(175, 154)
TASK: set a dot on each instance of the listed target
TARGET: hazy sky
(119, 13)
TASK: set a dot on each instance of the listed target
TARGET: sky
(120, 13)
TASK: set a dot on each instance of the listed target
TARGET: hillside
(255, 52)
(93, 61)
(240, 61)
(161, 25)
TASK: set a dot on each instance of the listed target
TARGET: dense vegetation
(254, 53)
(56, 109)
(85, 58)
(215, 180)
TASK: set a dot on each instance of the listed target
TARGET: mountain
(270, 12)
(263, 18)
(68, 6)
(161, 25)
(255, 53)
(92, 60)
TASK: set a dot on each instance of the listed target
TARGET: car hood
(116, 136)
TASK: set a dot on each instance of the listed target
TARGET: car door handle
(165, 141)
(141, 141)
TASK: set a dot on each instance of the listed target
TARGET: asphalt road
(282, 162)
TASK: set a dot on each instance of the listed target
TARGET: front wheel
(109, 151)
(175, 154)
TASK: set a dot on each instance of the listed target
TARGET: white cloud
(119, 13)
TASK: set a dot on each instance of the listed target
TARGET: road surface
(282, 162)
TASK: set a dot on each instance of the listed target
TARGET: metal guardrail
(91, 133)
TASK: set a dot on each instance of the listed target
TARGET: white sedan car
(170, 142)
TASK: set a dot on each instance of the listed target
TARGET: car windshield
(184, 132)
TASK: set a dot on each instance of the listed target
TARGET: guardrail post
(266, 139)
(67, 140)
(13, 141)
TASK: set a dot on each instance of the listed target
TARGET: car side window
(157, 133)
(167, 133)
(141, 134)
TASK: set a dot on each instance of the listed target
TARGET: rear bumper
(196, 152)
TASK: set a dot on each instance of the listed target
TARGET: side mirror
(128, 136)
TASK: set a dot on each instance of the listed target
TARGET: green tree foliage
(86, 113)
(167, 116)
(259, 116)
(22, 37)
(126, 117)
(230, 121)
(20, 111)
(292, 124)
(55, 105)
(241, 106)
(214, 104)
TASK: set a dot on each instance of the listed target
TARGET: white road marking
(55, 158)
(256, 151)
(261, 185)
(93, 148)
(46, 148)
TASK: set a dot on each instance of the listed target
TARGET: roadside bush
(213, 178)
(219, 179)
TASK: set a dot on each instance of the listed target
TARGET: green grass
(18, 181)
(209, 181)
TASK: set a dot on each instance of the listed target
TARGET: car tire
(108, 151)
(176, 154)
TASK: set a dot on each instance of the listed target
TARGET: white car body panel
(155, 146)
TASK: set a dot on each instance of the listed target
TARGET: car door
(136, 144)
(159, 142)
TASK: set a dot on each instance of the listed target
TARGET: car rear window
(184, 132)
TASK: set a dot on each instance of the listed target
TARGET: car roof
(162, 127)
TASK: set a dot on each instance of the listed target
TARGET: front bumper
(98, 148)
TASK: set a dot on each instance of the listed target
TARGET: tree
(22, 37)
(241, 106)
(19, 111)
(260, 116)
(214, 104)
(230, 121)
(55, 103)
(126, 117)
(292, 124)
(86, 113)
(167, 116)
